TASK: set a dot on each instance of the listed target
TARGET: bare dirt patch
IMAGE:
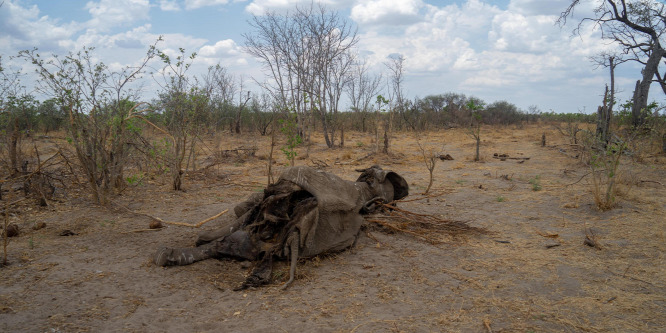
(532, 273)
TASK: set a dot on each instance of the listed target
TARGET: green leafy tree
(99, 109)
(289, 128)
(475, 107)
(185, 107)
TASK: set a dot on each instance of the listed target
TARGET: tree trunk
(13, 145)
(377, 131)
(478, 143)
(329, 144)
(638, 111)
(363, 122)
(237, 126)
(603, 120)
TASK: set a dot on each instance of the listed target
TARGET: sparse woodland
(84, 134)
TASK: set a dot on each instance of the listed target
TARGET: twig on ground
(424, 196)
(12, 204)
(140, 230)
(486, 324)
(196, 225)
(591, 239)
(651, 181)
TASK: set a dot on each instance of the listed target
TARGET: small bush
(536, 183)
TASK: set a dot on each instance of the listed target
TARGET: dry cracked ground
(531, 273)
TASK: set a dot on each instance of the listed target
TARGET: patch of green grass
(110, 222)
(536, 183)
(136, 179)
(500, 198)
(460, 182)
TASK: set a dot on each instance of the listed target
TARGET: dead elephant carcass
(307, 212)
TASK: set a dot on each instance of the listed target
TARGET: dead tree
(637, 27)
(361, 89)
(604, 113)
(396, 78)
(430, 160)
(241, 106)
(304, 55)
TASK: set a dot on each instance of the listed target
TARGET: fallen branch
(196, 225)
(422, 226)
(319, 164)
(140, 230)
(7, 205)
(424, 196)
(29, 175)
(651, 181)
(364, 157)
(503, 157)
(591, 239)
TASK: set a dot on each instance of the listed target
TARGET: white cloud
(538, 7)
(398, 12)
(259, 7)
(25, 27)
(107, 14)
(223, 48)
(195, 4)
(225, 52)
(516, 32)
(443, 36)
(475, 47)
(169, 6)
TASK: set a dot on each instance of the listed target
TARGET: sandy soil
(531, 274)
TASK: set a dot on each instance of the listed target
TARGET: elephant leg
(205, 237)
(238, 245)
(185, 256)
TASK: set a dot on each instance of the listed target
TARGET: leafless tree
(361, 89)
(304, 55)
(605, 112)
(242, 101)
(638, 26)
(395, 64)
(339, 76)
(222, 82)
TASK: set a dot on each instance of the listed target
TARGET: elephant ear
(400, 186)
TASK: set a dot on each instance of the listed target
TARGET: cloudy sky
(492, 49)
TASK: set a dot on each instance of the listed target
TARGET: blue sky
(495, 50)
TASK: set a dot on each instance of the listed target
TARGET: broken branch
(196, 225)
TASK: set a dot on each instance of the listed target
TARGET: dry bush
(604, 163)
